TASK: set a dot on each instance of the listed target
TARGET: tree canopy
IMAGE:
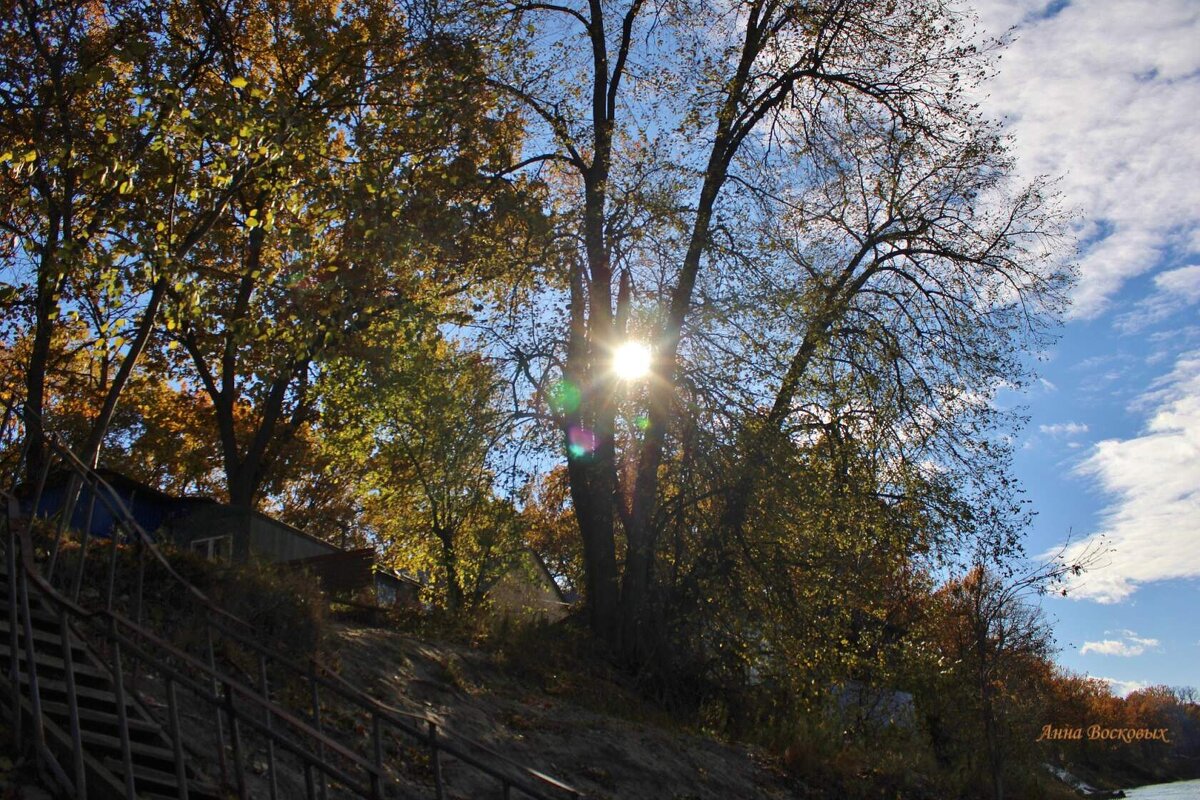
(800, 211)
(366, 265)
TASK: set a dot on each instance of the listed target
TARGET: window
(216, 548)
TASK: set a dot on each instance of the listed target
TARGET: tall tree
(673, 131)
(376, 205)
(420, 423)
(72, 132)
(112, 178)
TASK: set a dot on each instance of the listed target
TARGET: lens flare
(631, 361)
(580, 441)
(565, 397)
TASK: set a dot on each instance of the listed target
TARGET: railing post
(273, 784)
(176, 739)
(235, 741)
(64, 521)
(377, 742)
(316, 713)
(14, 619)
(113, 543)
(35, 695)
(216, 691)
(37, 494)
(137, 600)
(122, 712)
(86, 537)
(140, 583)
(435, 761)
(80, 779)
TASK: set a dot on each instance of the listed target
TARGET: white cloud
(1047, 385)
(1152, 523)
(1183, 283)
(1123, 688)
(1174, 290)
(1067, 429)
(1114, 115)
(1129, 645)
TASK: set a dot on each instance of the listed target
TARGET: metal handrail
(531, 783)
(245, 694)
(400, 719)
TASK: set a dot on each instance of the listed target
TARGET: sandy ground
(603, 755)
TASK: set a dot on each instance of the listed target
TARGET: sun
(631, 361)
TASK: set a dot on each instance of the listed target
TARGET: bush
(284, 609)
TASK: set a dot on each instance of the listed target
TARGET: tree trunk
(454, 591)
(243, 486)
(35, 397)
(90, 454)
(45, 304)
(995, 761)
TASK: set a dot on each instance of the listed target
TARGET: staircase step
(40, 620)
(36, 610)
(98, 699)
(151, 782)
(104, 722)
(39, 634)
(147, 755)
(53, 666)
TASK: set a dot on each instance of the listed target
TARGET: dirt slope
(532, 719)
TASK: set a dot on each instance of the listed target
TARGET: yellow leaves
(7, 155)
(239, 82)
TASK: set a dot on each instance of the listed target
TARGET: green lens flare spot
(564, 397)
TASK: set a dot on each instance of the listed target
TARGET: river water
(1181, 790)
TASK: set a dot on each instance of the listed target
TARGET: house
(151, 509)
(857, 703)
(224, 533)
(528, 588)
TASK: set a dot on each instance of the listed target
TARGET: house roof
(127, 486)
(123, 484)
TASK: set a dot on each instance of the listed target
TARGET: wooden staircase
(96, 692)
(97, 712)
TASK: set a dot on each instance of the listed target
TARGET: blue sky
(1106, 95)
